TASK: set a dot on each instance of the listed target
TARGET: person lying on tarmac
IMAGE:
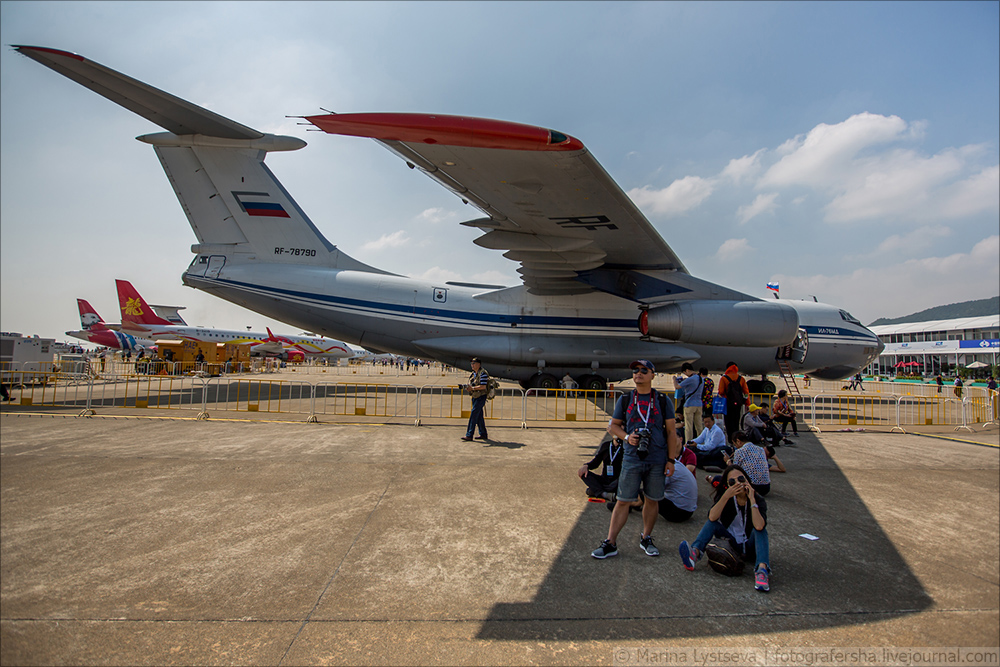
(739, 514)
(644, 419)
(680, 495)
(709, 445)
(605, 485)
(753, 459)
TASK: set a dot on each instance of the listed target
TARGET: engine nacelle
(738, 323)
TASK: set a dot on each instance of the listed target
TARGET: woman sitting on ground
(740, 515)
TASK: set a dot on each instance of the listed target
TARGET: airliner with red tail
(95, 330)
(139, 319)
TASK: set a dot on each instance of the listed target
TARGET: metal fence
(276, 394)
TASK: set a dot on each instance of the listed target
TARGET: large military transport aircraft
(600, 287)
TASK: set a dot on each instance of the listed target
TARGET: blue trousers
(477, 418)
(756, 547)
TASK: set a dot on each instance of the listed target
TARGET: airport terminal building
(938, 346)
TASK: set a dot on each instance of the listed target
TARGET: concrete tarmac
(145, 541)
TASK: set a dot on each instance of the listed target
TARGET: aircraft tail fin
(237, 209)
(134, 308)
(89, 319)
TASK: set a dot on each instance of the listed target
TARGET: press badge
(609, 471)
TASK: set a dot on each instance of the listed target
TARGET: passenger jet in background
(139, 319)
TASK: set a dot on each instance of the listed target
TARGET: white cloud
(435, 215)
(826, 153)
(918, 239)
(733, 249)
(438, 275)
(742, 168)
(762, 204)
(680, 196)
(976, 194)
(888, 186)
(393, 240)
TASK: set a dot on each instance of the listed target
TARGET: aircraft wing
(168, 111)
(551, 205)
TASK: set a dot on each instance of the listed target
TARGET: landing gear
(761, 386)
(592, 383)
(544, 381)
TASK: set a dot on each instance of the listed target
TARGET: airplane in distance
(95, 330)
(138, 318)
(599, 286)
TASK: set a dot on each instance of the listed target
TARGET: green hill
(978, 308)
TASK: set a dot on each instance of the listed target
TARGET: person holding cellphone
(741, 515)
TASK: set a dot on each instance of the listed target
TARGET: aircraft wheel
(544, 381)
(593, 383)
(767, 387)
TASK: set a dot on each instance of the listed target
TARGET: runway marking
(189, 419)
(945, 437)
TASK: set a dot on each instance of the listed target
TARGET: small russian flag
(773, 287)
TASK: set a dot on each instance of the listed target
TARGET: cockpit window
(844, 315)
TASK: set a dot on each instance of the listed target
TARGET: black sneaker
(606, 550)
(647, 545)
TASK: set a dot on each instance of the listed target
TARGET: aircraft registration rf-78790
(600, 286)
(139, 319)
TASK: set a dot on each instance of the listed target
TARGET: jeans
(756, 547)
(477, 418)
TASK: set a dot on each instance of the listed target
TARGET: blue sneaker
(760, 580)
(689, 555)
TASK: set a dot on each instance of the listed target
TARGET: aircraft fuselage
(518, 335)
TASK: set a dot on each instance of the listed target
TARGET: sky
(845, 150)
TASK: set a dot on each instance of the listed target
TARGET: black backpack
(734, 390)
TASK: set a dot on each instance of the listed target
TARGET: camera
(642, 449)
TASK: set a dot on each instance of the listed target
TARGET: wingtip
(25, 49)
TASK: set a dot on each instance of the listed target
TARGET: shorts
(651, 476)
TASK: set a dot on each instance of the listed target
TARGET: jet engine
(737, 323)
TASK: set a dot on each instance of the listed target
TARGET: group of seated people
(743, 464)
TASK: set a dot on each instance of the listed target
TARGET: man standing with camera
(478, 384)
(644, 420)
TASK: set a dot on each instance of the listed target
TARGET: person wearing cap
(643, 409)
(752, 424)
(477, 386)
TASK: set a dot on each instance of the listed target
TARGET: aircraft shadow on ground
(852, 575)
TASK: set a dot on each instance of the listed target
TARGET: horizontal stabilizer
(168, 111)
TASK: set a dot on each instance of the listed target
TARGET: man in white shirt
(708, 446)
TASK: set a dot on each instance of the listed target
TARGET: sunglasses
(640, 371)
(733, 481)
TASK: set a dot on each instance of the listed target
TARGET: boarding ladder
(788, 377)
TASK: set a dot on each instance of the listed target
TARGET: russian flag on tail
(773, 287)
